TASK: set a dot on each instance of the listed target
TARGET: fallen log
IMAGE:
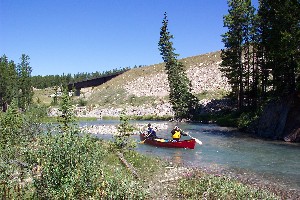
(128, 165)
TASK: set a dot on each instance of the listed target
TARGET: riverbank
(252, 180)
(222, 146)
(209, 180)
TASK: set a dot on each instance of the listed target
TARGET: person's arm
(148, 132)
(173, 131)
(183, 133)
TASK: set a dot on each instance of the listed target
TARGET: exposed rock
(148, 86)
(214, 106)
(281, 119)
(294, 136)
(204, 78)
(113, 129)
(292, 126)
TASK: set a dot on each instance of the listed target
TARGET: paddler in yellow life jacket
(177, 133)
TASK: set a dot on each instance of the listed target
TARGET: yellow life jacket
(176, 135)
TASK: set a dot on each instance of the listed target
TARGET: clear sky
(70, 36)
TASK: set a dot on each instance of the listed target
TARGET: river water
(227, 149)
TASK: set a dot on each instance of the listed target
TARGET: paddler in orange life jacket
(177, 133)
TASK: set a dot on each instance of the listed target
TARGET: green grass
(42, 95)
(229, 120)
(218, 94)
(151, 117)
(110, 118)
(205, 186)
(54, 119)
(144, 117)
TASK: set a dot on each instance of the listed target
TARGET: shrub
(122, 140)
(70, 167)
(246, 119)
(17, 131)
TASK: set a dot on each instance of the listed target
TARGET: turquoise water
(227, 149)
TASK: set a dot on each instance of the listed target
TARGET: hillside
(151, 82)
(144, 90)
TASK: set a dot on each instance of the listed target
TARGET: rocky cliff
(281, 119)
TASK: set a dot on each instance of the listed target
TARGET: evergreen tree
(12, 86)
(67, 118)
(237, 55)
(184, 103)
(280, 39)
(25, 86)
(3, 78)
(8, 82)
(250, 62)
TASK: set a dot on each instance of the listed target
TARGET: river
(229, 150)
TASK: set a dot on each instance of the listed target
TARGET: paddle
(142, 142)
(198, 141)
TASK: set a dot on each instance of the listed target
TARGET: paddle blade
(198, 141)
(142, 142)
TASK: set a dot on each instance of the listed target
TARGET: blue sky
(70, 36)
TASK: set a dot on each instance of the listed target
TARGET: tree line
(42, 82)
(15, 83)
(261, 58)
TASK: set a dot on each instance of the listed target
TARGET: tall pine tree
(3, 78)
(237, 55)
(8, 82)
(184, 103)
(280, 41)
(24, 82)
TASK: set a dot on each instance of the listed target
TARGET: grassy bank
(236, 119)
(77, 119)
(144, 117)
(205, 186)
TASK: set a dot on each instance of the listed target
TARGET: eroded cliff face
(281, 120)
(292, 127)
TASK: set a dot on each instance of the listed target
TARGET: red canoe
(160, 142)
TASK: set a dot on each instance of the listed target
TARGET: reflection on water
(226, 148)
(177, 158)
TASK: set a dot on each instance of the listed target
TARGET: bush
(70, 167)
(79, 167)
(17, 131)
(122, 140)
(81, 102)
(246, 119)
